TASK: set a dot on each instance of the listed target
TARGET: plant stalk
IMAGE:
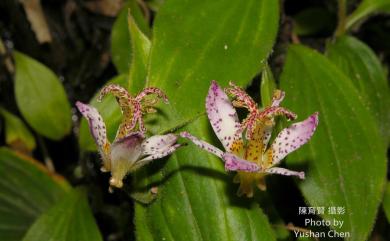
(342, 17)
(46, 157)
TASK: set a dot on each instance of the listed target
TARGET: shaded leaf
(273, 214)
(41, 98)
(267, 86)
(314, 20)
(345, 160)
(110, 112)
(363, 67)
(121, 49)
(366, 8)
(193, 43)
(26, 190)
(70, 219)
(17, 134)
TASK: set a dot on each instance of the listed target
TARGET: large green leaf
(121, 50)
(345, 160)
(363, 67)
(205, 45)
(195, 42)
(70, 219)
(110, 112)
(41, 98)
(26, 190)
(17, 134)
(366, 8)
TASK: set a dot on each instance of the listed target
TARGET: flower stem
(342, 17)
(46, 157)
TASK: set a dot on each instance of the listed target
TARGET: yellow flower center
(253, 150)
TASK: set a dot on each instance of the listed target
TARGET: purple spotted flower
(246, 144)
(131, 149)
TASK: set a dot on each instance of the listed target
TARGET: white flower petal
(202, 144)
(222, 116)
(162, 153)
(158, 143)
(293, 137)
(285, 172)
(234, 163)
(95, 122)
(98, 131)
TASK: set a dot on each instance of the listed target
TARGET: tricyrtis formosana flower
(131, 149)
(246, 143)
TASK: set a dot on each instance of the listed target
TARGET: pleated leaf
(69, 220)
(195, 42)
(363, 67)
(27, 189)
(345, 160)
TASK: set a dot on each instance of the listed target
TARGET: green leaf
(41, 98)
(313, 20)
(141, 48)
(17, 134)
(109, 110)
(120, 37)
(267, 86)
(345, 160)
(386, 201)
(206, 45)
(195, 42)
(70, 219)
(120, 43)
(366, 8)
(26, 190)
(363, 67)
